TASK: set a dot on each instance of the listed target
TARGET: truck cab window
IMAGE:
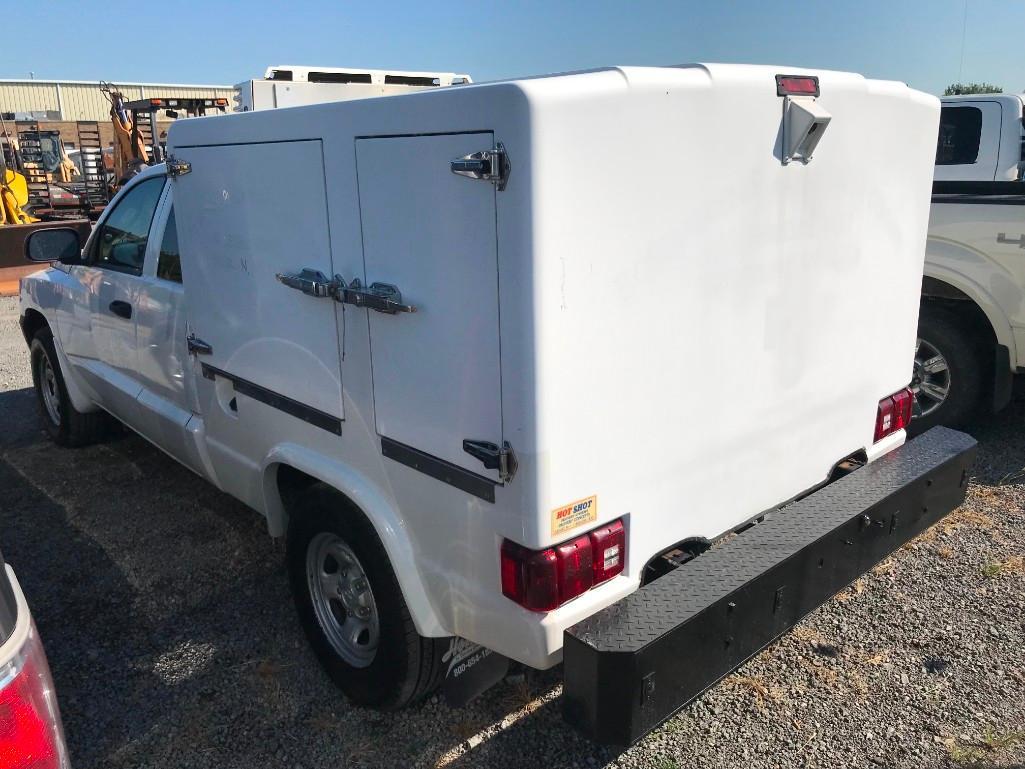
(169, 265)
(121, 241)
(959, 137)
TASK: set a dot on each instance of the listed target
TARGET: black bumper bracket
(633, 665)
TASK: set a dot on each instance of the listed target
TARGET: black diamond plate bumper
(631, 666)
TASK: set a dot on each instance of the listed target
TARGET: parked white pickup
(493, 356)
(972, 325)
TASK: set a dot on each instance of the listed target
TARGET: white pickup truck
(507, 358)
(972, 323)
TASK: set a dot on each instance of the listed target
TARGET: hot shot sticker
(574, 514)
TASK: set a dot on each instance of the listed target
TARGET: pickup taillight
(542, 580)
(894, 413)
(31, 736)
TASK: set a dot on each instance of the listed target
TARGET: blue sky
(208, 41)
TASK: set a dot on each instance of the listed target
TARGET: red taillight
(542, 580)
(894, 413)
(797, 85)
(530, 577)
(30, 729)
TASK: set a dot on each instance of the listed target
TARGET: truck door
(432, 234)
(968, 145)
(244, 214)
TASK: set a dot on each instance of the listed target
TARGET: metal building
(72, 100)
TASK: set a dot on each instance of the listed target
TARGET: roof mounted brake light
(797, 85)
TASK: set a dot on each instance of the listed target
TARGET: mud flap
(470, 670)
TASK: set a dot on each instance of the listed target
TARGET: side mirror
(57, 244)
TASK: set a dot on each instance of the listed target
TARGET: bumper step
(633, 665)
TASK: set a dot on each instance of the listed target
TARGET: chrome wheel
(931, 379)
(342, 600)
(49, 389)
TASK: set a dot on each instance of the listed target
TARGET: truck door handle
(121, 309)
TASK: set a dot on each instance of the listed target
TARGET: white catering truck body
(611, 300)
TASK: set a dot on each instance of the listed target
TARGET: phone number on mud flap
(469, 663)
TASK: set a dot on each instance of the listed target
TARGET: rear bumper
(633, 665)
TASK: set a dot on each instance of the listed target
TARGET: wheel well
(956, 303)
(33, 321)
(290, 483)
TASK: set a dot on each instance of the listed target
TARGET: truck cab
(971, 341)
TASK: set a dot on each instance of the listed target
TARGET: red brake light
(30, 729)
(575, 573)
(608, 545)
(542, 580)
(530, 577)
(797, 85)
(894, 413)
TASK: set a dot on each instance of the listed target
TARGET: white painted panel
(235, 234)
(432, 233)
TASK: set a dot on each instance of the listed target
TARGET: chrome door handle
(1002, 238)
(382, 297)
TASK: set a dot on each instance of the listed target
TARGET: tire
(66, 425)
(957, 369)
(404, 666)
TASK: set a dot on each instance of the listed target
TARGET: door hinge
(382, 297)
(494, 458)
(176, 168)
(487, 165)
(197, 346)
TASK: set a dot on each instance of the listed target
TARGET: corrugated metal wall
(83, 101)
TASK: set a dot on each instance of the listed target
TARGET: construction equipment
(14, 190)
(137, 142)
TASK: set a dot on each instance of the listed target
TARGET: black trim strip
(1012, 193)
(440, 469)
(281, 402)
(982, 200)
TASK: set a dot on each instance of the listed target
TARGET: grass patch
(982, 753)
(1013, 565)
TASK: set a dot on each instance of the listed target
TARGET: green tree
(959, 89)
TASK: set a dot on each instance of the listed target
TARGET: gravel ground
(167, 620)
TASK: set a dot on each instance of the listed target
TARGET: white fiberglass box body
(655, 312)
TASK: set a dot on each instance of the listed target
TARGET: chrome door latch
(382, 297)
(487, 165)
(494, 457)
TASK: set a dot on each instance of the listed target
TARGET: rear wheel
(65, 424)
(351, 608)
(948, 373)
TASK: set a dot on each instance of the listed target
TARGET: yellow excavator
(13, 185)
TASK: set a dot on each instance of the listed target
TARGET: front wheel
(351, 608)
(947, 381)
(65, 424)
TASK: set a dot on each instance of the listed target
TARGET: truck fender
(374, 504)
(983, 299)
(79, 395)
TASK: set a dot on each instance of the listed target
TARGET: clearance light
(797, 85)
